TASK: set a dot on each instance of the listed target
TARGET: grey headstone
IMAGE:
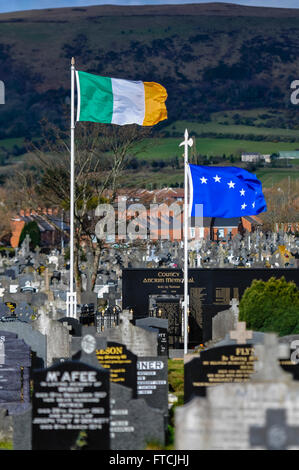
(137, 340)
(230, 413)
(22, 430)
(36, 340)
(133, 424)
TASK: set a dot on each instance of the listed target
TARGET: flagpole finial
(187, 141)
(73, 61)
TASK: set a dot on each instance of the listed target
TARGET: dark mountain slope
(209, 57)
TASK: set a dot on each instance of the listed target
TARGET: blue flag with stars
(225, 191)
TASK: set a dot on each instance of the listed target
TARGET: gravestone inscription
(133, 423)
(261, 413)
(121, 363)
(225, 364)
(152, 381)
(70, 408)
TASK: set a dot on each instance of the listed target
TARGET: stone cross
(276, 434)
(241, 335)
(125, 316)
(267, 366)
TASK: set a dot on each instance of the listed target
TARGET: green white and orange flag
(118, 101)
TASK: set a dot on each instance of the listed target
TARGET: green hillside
(210, 57)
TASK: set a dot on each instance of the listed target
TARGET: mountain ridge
(209, 9)
(211, 58)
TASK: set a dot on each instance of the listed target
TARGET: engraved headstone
(152, 381)
(59, 425)
(261, 413)
(121, 363)
(133, 423)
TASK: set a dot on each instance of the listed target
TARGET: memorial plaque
(215, 289)
(122, 364)
(152, 381)
(170, 309)
(215, 366)
(70, 408)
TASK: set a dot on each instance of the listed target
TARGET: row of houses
(53, 229)
(156, 221)
(255, 157)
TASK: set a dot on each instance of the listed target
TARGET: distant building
(266, 158)
(289, 154)
(48, 222)
(251, 157)
(255, 157)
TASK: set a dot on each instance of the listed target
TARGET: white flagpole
(186, 143)
(71, 295)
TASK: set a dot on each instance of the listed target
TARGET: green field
(170, 177)
(217, 128)
(8, 144)
(272, 176)
(168, 148)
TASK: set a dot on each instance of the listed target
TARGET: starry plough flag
(224, 192)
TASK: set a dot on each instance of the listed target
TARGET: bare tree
(282, 204)
(5, 216)
(101, 155)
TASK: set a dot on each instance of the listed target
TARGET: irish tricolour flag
(117, 101)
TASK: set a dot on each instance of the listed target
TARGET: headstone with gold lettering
(215, 366)
(121, 363)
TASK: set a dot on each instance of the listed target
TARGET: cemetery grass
(176, 379)
(176, 387)
(6, 445)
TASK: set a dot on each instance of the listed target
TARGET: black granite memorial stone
(87, 315)
(70, 408)
(216, 290)
(122, 364)
(152, 381)
(215, 366)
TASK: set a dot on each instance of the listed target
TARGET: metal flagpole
(186, 143)
(71, 295)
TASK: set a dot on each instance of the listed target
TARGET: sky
(15, 5)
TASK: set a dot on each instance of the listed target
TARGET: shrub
(271, 306)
